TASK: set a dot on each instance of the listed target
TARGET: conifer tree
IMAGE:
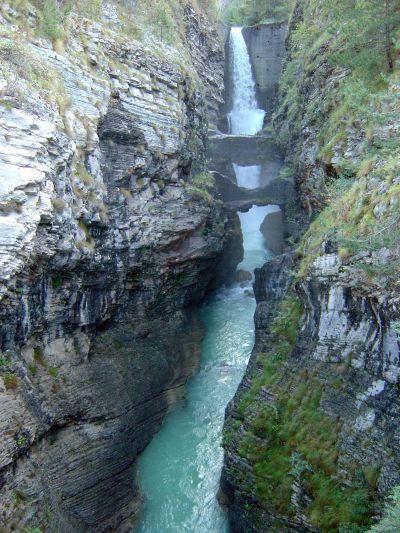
(363, 31)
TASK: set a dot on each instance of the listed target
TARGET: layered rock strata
(107, 240)
(311, 436)
(346, 355)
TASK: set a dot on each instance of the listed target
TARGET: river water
(179, 470)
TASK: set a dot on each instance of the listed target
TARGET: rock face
(238, 480)
(312, 428)
(106, 242)
(243, 276)
(348, 352)
(272, 229)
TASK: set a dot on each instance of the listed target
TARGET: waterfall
(248, 177)
(245, 117)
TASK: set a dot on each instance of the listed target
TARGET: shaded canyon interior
(138, 167)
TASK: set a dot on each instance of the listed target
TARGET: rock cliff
(109, 234)
(311, 439)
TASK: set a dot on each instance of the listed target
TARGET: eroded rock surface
(347, 350)
(314, 423)
(106, 242)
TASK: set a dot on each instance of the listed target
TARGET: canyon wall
(109, 234)
(311, 438)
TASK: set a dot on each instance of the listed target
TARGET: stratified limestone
(104, 247)
(311, 437)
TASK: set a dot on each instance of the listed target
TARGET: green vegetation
(58, 204)
(56, 282)
(32, 369)
(7, 104)
(38, 356)
(22, 440)
(18, 62)
(19, 497)
(88, 242)
(356, 206)
(165, 19)
(356, 43)
(364, 33)
(250, 12)
(10, 380)
(160, 18)
(17, 59)
(390, 523)
(202, 185)
(52, 371)
(292, 439)
(39, 359)
(83, 174)
(53, 17)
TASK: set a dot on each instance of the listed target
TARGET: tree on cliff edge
(250, 12)
(364, 32)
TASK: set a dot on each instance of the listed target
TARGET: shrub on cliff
(390, 523)
(340, 82)
(249, 12)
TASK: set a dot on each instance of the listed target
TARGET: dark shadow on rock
(272, 229)
(276, 192)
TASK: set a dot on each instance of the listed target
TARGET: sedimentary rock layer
(311, 437)
(106, 242)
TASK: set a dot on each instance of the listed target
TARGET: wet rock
(272, 230)
(104, 248)
(243, 275)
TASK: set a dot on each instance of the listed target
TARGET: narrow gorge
(199, 258)
(180, 469)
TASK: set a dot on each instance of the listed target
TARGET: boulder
(272, 230)
(243, 275)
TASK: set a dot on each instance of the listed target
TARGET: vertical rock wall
(311, 438)
(107, 240)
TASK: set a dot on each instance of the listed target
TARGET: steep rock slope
(311, 437)
(109, 233)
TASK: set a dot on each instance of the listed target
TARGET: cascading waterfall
(180, 469)
(247, 177)
(245, 117)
